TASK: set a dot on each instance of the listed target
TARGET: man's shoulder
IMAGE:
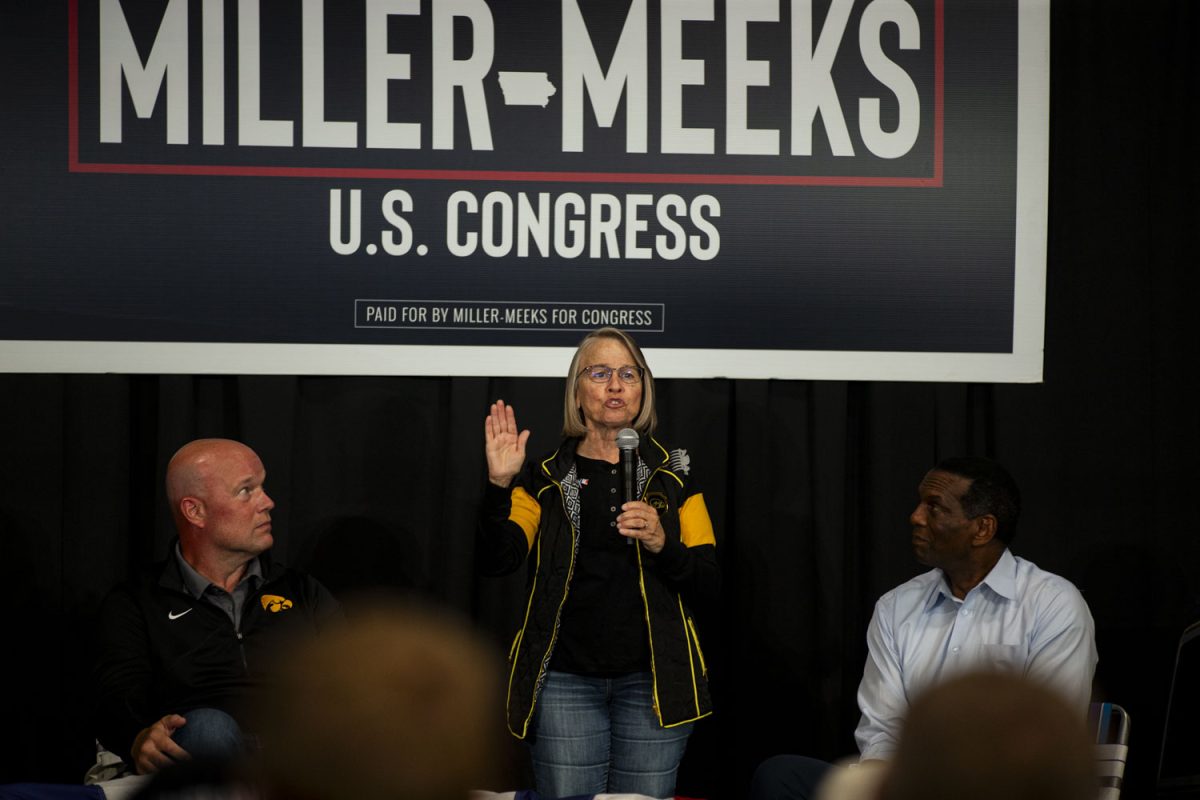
(913, 589)
(276, 573)
(292, 584)
(139, 599)
(907, 600)
(1034, 583)
(146, 580)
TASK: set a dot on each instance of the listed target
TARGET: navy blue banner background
(112, 242)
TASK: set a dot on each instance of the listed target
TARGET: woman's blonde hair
(573, 422)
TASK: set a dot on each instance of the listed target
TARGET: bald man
(187, 644)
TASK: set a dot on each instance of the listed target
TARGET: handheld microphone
(627, 442)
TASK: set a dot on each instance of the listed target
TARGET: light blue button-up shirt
(1019, 619)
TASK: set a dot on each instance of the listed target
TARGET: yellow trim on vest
(557, 617)
(686, 721)
(526, 513)
(650, 637)
(698, 517)
(695, 526)
(512, 668)
(696, 641)
(691, 662)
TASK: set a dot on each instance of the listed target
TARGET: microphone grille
(627, 439)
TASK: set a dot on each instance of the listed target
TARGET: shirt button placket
(955, 635)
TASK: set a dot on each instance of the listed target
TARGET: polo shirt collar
(196, 584)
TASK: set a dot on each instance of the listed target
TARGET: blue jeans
(597, 735)
(210, 734)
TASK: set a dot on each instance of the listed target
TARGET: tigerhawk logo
(274, 603)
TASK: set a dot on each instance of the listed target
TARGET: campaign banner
(851, 189)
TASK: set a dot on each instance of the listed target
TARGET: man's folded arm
(881, 696)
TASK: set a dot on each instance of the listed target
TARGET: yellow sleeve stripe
(695, 527)
(526, 512)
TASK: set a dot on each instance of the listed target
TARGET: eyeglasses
(599, 373)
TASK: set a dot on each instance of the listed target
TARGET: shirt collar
(1002, 579)
(938, 592)
(196, 584)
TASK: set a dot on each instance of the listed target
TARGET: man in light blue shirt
(980, 607)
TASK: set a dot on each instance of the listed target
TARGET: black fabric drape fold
(376, 481)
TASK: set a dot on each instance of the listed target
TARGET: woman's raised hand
(504, 444)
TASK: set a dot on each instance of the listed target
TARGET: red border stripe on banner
(75, 165)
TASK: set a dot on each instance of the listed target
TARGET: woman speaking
(605, 675)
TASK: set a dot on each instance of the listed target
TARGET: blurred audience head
(992, 736)
(399, 702)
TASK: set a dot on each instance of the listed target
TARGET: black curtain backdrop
(810, 483)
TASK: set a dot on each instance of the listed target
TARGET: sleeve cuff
(495, 496)
(673, 556)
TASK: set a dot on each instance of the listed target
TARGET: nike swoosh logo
(173, 615)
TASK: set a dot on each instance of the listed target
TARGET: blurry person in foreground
(398, 703)
(992, 736)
